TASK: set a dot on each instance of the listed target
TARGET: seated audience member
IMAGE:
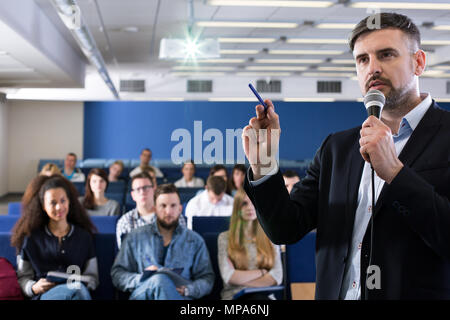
(115, 170)
(188, 180)
(54, 233)
(211, 202)
(163, 243)
(94, 201)
(290, 178)
(220, 170)
(142, 192)
(49, 169)
(146, 157)
(237, 178)
(70, 172)
(246, 256)
(152, 174)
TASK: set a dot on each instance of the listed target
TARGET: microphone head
(374, 101)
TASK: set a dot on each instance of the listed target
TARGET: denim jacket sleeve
(125, 273)
(202, 272)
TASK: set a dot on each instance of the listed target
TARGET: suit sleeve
(286, 219)
(424, 207)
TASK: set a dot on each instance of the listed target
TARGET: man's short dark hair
(387, 20)
(142, 175)
(290, 174)
(72, 155)
(166, 189)
(216, 184)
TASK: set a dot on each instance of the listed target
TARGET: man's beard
(395, 98)
(166, 225)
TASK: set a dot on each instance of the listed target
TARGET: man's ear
(419, 62)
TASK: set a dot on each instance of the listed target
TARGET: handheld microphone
(374, 101)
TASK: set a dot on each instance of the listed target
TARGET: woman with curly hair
(94, 201)
(246, 256)
(54, 233)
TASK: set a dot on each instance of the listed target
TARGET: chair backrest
(7, 222)
(300, 259)
(116, 187)
(6, 250)
(211, 243)
(187, 194)
(80, 187)
(106, 250)
(105, 224)
(210, 224)
(15, 208)
(119, 197)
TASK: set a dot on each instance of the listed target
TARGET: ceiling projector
(189, 49)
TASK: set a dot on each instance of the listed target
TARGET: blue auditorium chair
(6, 251)
(187, 194)
(80, 187)
(7, 222)
(210, 224)
(106, 250)
(105, 224)
(116, 187)
(300, 260)
(211, 243)
(14, 208)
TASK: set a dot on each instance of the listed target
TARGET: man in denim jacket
(163, 243)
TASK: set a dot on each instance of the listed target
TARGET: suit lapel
(354, 172)
(421, 136)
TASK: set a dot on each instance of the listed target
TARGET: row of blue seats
(299, 257)
(172, 172)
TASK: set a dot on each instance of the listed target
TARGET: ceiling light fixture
(274, 68)
(402, 5)
(292, 61)
(247, 40)
(335, 26)
(306, 52)
(238, 51)
(328, 74)
(237, 24)
(263, 74)
(70, 14)
(265, 3)
(317, 40)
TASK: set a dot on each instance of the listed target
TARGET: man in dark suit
(408, 244)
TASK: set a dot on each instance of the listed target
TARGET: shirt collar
(416, 114)
(47, 230)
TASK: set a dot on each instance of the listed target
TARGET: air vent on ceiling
(329, 87)
(448, 87)
(199, 86)
(273, 86)
(132, 85)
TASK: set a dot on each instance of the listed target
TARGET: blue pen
(258, 96)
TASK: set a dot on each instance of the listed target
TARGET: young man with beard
(408, 244)
(163, 243)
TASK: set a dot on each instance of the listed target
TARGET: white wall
(41, 130)
(3, 146)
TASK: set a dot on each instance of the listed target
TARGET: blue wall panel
(120, 129)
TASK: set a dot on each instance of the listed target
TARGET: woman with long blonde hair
(247, 258)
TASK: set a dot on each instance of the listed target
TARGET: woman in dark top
(54, 233)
